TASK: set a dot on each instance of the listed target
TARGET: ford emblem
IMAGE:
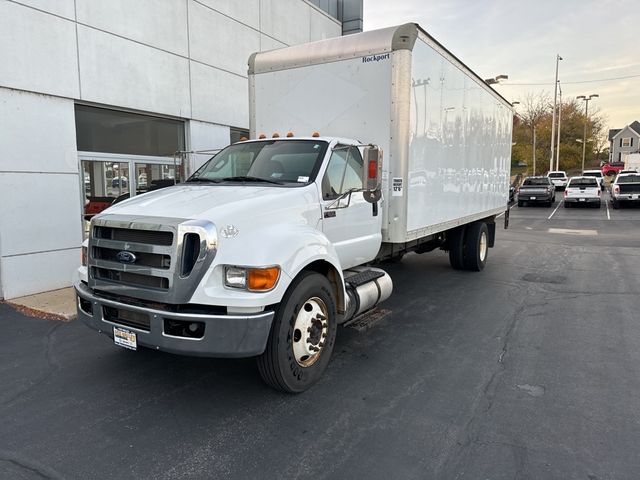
(126, 257)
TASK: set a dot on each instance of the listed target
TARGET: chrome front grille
(157, 259)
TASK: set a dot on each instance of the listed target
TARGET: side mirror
(372, 173)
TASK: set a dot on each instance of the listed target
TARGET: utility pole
(553, 124)
(534, 150)
(586, 119)
(559, 125)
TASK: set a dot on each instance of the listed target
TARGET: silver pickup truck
(536, 190)
(625, 189)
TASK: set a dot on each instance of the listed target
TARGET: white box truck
(632, 161)
(269, 246)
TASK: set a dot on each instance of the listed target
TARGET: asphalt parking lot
(529, 369)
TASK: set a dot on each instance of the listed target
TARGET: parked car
(597, 174)
(582, 190)
(558, 178)
(612, 168)
(121, 181)
(625, 189)
(536, 190)
(512, 193)
(627, 171)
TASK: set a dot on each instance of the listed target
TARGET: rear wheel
(302, 335)
(456, 247)
(476, 246)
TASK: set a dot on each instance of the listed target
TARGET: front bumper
(224, 335)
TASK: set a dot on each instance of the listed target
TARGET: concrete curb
(54, 305)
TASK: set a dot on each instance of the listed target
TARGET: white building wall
(179, 58)
(40, 193)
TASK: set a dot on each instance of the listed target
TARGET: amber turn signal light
(262, 279)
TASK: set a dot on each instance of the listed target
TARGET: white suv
(558, 178)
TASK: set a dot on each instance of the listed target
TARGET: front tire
(302, 335)
(615, 204)
(476, 246)
(520, 203)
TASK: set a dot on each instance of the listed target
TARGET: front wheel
(616, 204)
(302, 335)
(520, 203)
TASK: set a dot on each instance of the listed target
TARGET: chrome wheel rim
(310, 332)
(483, 246)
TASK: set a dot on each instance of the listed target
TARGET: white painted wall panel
(37, 133)
(220, 41)
(219, 97)
(41, 272)
(39, 212)
(159, 23)
(246, 11)
(206, 136)
(323, 27)
(286, 20)
(268, 43)
(38, 51)
(115, 71)
(64, 8)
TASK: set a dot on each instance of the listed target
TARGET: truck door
(349, 222)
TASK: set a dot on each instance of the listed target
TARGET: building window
(113, 131)
(627, 142)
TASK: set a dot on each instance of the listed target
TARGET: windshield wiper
(204, 180)
(247, 178)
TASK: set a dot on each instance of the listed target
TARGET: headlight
(252, 279)
(83, 255)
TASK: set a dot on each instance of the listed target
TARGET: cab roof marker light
(275, 135)
(315, 134)
(243, 139)
(262, 136)
(289, 134)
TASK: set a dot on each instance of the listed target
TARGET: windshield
(629, 179)
(583, 182)
(272, 161)
(557, 175)
(536, 181)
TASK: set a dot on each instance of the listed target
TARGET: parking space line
(606, 204)
(553, 213)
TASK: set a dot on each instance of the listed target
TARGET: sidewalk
(53, 305)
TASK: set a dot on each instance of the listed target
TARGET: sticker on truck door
(396, 185)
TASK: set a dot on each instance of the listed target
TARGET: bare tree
(534, 108)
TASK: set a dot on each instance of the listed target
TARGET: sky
(597, 40)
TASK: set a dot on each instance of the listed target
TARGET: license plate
(532, 198)
(125, 338)
(583, 199)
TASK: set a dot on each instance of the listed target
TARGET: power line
(574, 82)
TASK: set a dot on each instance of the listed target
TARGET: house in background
(624, 140)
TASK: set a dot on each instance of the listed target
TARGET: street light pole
(553, 123)
(559, 125)
(586, 119)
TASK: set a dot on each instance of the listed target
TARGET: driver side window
(344, 172)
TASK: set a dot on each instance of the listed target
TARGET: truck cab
(197, 268)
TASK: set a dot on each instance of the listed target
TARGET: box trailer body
(446, 135)
(632, 161)
(271, 244)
